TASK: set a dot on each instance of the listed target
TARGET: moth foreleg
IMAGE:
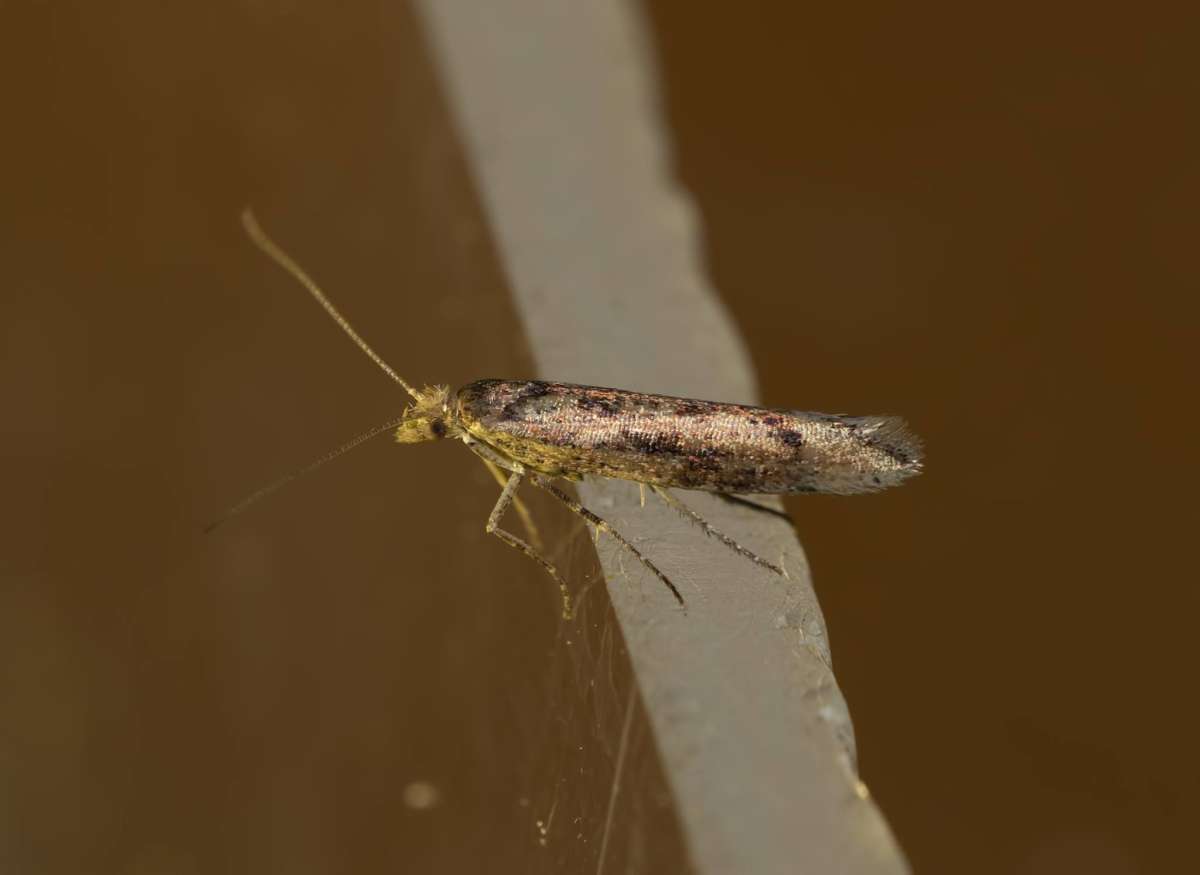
(519, 506)
(603, 526)
(686, 512)
(493, 528)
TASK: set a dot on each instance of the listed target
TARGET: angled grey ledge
(557, 109)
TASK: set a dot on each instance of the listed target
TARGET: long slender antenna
(255, 497)
(260, 239)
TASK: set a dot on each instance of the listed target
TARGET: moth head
(428, 418)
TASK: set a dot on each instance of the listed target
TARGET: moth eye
(438, 428)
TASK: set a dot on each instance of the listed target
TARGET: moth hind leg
(753, 505)
(689, 514)
(603, 526)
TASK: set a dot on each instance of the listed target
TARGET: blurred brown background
(973, 219)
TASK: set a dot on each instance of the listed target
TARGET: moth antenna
(273, 251)
(255, 497)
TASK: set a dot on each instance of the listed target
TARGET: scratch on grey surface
(622, 748)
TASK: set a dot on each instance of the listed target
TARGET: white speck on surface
(421, 795)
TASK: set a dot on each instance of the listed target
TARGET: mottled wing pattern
(570, 431)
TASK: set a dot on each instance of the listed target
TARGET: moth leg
(603, 526)
(493, 528)
(685, 511)
(754, 505)
(522, 511)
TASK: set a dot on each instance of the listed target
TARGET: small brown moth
(542, 431)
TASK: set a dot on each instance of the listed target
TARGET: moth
(543, 431)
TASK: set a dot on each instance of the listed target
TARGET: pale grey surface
(557, 109)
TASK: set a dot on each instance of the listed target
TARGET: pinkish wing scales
(564, 429)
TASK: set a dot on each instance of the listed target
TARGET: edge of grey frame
(558, 111)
